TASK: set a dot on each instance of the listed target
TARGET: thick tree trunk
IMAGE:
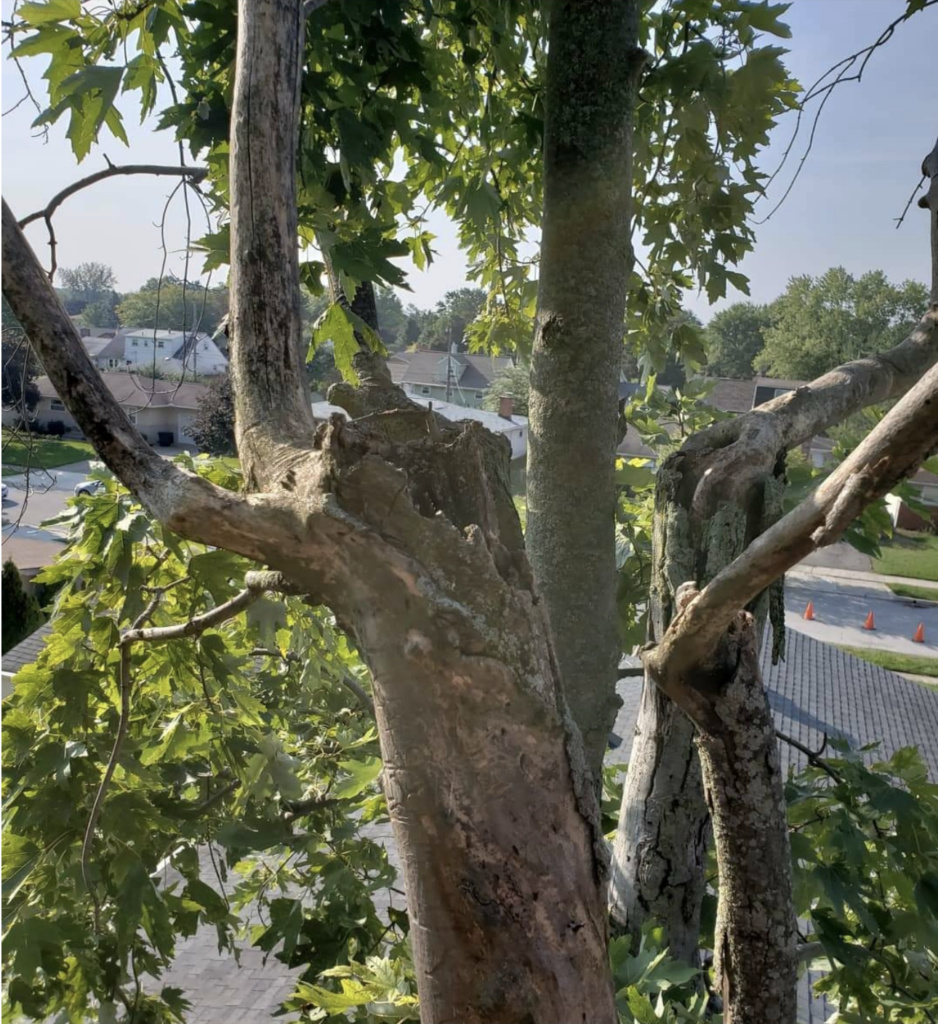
(730, 466)
(593, 66)
(661, 841)
(755, 954)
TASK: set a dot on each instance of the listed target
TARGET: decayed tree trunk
(661, 842)
(707, 660)
(756, 933)
(593, 66)
(720, 478)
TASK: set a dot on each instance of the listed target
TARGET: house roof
(779, 382)
(31, 553)
(731, 395)
(820, 689)
(95, 346)
(632, 447)
(138, 391)
(491, 420)
(26, 651)
(114, 349)
(184, 350)
(422, 367)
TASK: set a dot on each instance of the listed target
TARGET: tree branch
(199, 623)
(177, 498)
(191, 811)
(890, 453)
(738, 452)
(195, 174)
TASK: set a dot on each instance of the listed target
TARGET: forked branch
(889, 454)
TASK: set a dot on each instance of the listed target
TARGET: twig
(813, 756)
(352, 684)
(190, 812)
(195, 174)
(822, 88)
(915, 191)
(105, 781)
(138, 632)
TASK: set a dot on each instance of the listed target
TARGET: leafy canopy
(823, 322)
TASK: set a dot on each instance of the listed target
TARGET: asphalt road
(841, 608)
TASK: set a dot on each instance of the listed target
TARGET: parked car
(88, 487)
(4, 491)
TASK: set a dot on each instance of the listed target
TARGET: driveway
(839, 556)
(841, 607)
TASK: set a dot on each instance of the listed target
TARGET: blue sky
(864, 164)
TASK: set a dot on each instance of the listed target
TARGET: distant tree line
(816, 323)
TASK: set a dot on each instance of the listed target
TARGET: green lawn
(47, 452)
(909, 554)
(914, 663)
(916, 593)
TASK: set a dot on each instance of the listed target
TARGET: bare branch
(740, 451)
(890, 453)
(813, 756)
(199, 623)
(194, 174)
(355, 687)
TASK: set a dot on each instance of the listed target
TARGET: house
(171, 352)
(454, 377)
(504, 422)
(162, 409)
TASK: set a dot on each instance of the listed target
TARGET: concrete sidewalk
(857, 577)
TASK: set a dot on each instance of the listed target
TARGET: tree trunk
(593, 66)
(732, 465)
(755, 948)
(661, 842)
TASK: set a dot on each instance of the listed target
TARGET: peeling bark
(756, 935)
(593, 65)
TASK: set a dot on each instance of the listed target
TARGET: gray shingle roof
(138, 390)
(26, 651)
(423, 368)
(819, 689)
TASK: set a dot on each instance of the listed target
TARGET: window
(132, 415)
(135, 342)
(161, 344)
(424, 391)
(57, 404)
(480, 395)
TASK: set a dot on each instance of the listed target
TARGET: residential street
(841, 604)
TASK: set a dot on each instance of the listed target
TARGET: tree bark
(405, 527)
(593, 66)
(756, 934)
(658, 855)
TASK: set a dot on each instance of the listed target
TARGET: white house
(163, 410)
(515, 428)
(173, 352)
(456, 378)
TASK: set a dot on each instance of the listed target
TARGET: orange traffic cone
(809, 612)
(918, 637)
(870, 623)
